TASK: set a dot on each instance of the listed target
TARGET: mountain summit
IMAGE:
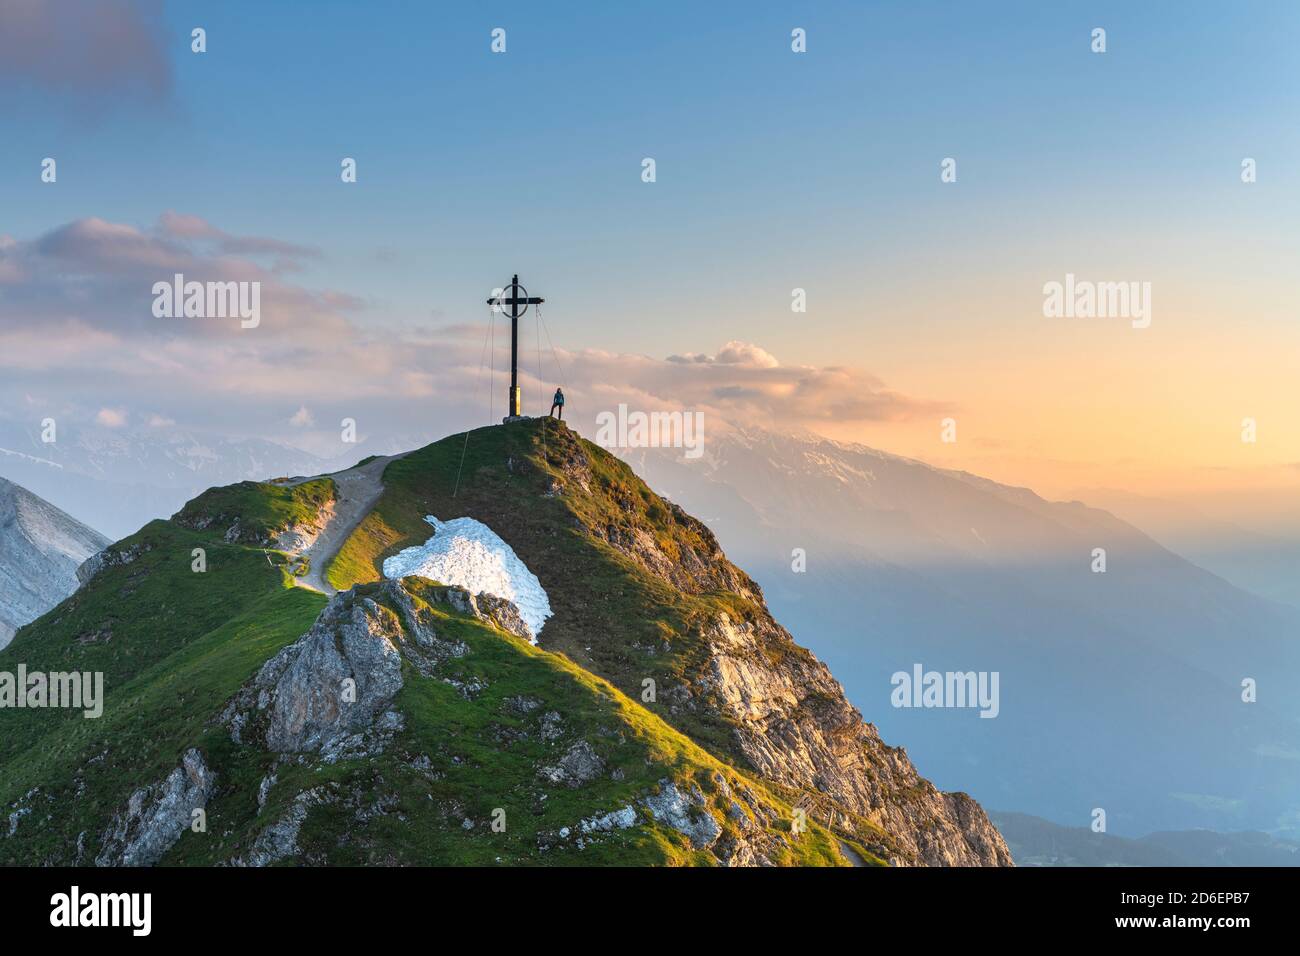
(662, 717)
(40, 549)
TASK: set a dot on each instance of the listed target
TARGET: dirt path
(850, 854)
(359, 489)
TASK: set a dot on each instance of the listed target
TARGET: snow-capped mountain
(1121, 688)
(40, 550)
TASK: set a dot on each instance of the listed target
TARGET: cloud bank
(78, 337)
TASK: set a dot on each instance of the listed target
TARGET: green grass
(611, 615)
(181, 643)
(176, 645)
(263, 510)
(483, 757)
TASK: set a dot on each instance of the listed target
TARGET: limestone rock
(155, 817)
(579, 765)
(329, 692)
(684, 811)
(797, 727)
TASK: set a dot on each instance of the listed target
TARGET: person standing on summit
(558, 403)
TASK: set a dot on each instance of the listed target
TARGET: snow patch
(469, 554)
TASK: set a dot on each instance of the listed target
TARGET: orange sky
(1064, 404)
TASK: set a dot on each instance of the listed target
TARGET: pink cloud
(104, 50)
(76, 322)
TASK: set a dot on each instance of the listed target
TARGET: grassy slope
(483, 756)
(262, 509)
(172, 644)
(175, 645)
(611, 616)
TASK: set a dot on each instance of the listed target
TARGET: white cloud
(302, 418)
(111, 417)
(733, 353)
(745, 383)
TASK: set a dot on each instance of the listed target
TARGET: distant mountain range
(40, 550)
(119, 479)
(663, 718)
(1120, 690)
(1038, 842)
(1267, 564)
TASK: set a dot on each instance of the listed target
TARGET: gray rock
(489, 608)
(615, 820)
(15, 817)
(795, 726)
(505, 615)
(420, 627)
(350, 652)
(580, 765)
(684, 813)
(521, 705)
(737, 813)
(552, 725)
(155, 817)
(264, 790)
(280, 840)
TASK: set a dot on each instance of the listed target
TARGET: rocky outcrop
(279, 841)
(754, 840)
(155, 817)
(297, 538)
(113, 557)
(579, 765)
(795, 726)
(497, 611)
(330, 694)
(221, 510)
(330, 691)
(685, 812)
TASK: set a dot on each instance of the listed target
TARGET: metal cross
(514, 301)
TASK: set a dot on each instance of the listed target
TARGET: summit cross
(518, 304)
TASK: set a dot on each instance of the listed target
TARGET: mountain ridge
(753, 753)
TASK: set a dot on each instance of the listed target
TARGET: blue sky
(775, 171)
